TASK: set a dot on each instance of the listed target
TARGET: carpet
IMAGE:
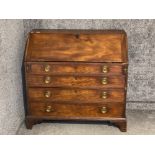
(139, 123)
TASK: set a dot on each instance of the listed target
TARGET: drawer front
(69, 68)
(75, 95)
(76, 81)
(67, 110)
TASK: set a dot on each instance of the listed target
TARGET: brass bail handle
(105, 69)
(47, 68)
(104, 95)
(105, 81)
(47, 79)
(49, 109)
(47, 94)
(104, 110)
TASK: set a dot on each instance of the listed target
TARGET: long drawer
(73, 67)
(75, 95)
(76, 111)
(76, 81)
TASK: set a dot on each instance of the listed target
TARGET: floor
(139, 122)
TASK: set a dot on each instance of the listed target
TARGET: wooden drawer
(75, 95)
(76, 111)
(72, 68)
(76, 81)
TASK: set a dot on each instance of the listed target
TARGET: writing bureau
(76, 75)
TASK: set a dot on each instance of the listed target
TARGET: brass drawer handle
(104, 110)
(105, 81)
(47, 94)
(47, 68)
(47, 79)
(49, 109)
(105, 69)
(104, 95)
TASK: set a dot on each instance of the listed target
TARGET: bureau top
(77, 45)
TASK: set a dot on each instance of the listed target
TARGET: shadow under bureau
(76, 75)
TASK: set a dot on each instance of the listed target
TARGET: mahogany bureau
(76, 75)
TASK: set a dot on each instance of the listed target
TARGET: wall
(141, 39)
(11, 53)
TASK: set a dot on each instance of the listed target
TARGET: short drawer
(76, 111)
(69, 68)
(76, 81)
(75, 95)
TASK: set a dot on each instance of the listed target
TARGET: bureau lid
(77, 45)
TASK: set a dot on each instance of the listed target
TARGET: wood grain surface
(66, 110)
(76, 81)
(75, 95)
(68, 46)
(73, 68)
